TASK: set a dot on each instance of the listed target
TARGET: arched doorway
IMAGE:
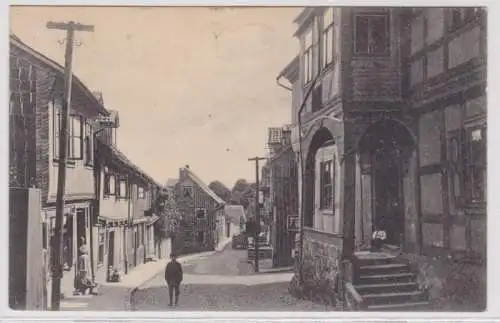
(385, 149)
(320, 138)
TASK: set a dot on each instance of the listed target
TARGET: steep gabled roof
(203, 186)
(120, 156)
(16, 41)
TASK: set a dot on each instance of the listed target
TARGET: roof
(116, 153)
(291, 71)
(172, 182)
(203, 186)
(16, 41)
(235, 213)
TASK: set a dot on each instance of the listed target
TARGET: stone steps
(386, 283)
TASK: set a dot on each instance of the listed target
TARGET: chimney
(183, 172)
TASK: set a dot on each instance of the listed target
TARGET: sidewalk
(116, 296)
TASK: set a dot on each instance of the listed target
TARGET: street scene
(247, 159)
(221, 282)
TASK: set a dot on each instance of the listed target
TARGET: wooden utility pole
(257, 212)
(70, 29)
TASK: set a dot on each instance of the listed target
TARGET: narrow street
(223, 282)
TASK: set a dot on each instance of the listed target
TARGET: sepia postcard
(247, 159)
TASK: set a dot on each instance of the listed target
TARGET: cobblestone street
(223, 282)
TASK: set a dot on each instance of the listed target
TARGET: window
(317, 97)
(88, 144)
(123, 188)
(328, 37)
(187, 191)
(372, 35)
(109, 184)
(200, 237)
(308, 57)
(136, 237)
(467, 165)
(455, 156)
(140, 192)
(200, 213)
(100, 251)
(75, 135)
(326, 185)
(461, 16)
(475, 165)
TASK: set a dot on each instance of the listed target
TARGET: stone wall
(452, 284)
(322, 254)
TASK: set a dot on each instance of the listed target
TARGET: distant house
(235, 220)
(202, 213)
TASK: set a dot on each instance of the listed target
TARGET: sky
(192, 86)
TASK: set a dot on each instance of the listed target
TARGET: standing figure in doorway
(173, 277)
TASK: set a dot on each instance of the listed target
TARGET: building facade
(37, 94)
(125, 234)
(235, 220)
(46, 79)
(392, 136)
(283, 196)
(202, 214)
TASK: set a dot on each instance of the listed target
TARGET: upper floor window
(187, 191)
(372, 34)
(88, 144)
(75, 135)
(328, 37)
(461, 16)
(109, 184)
(308, 56)
(122, 188)
(201, 213)
(141, 193)
(327, 180)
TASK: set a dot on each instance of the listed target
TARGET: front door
(388, 207)
(111, 249)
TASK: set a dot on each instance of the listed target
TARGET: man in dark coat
(173, 276)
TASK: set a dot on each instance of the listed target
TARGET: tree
(221, 190)
(242, 193)
(166, 208)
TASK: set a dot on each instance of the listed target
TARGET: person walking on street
(173, 277)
